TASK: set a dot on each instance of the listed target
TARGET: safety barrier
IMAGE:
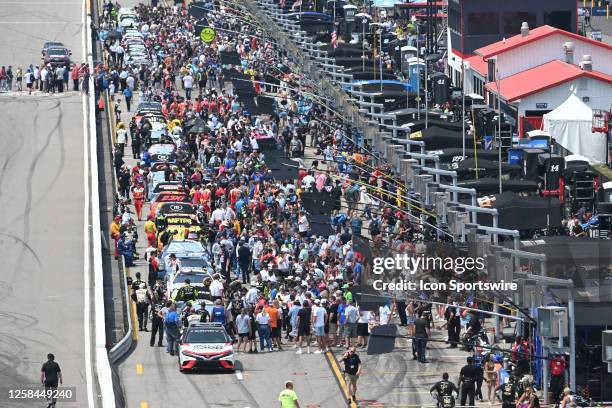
(125, 344)
(104, 374)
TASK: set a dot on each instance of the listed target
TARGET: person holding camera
(352, 369)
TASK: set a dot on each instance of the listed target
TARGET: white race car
(177, 280)
(205, 345)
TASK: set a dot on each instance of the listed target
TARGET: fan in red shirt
(234, 195)
(220, 192)
(557, 376)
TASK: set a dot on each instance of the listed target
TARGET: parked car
(51, 44)
(56, 56)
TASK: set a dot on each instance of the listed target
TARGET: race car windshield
(193, 277)
(193, 263)
(205, 336)
(185, 246)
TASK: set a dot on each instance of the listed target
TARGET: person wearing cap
(319, 320)
(350, 324)
(352, 370)
(333, 321)
(342, 305)
(348, 295)
(304, 318)
(293, 314)
(287, 397)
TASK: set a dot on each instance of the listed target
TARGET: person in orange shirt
(205, 199)
(275, 326)
(234, 195)
(115, 232)
(180, 109)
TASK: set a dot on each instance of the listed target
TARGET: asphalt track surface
(42, 201)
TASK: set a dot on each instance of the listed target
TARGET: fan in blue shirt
(218, 314)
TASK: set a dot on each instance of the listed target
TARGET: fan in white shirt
(216, 288)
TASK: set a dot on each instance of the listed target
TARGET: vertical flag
(334, 39)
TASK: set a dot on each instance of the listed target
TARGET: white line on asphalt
(45, 3)
(86, 269)
(40, 22)
(239, 375)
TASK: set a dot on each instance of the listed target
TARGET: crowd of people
(275, 280)
(277, 283)
(49, 78)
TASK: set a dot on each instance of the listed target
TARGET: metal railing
(324, 86)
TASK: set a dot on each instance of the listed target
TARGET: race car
(195, 275)
(183, 248)
(167, 197)
(127, 17)
(205, 345)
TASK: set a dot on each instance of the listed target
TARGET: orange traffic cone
(101, 103)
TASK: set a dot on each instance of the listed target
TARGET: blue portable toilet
(415, 68)
(515, 155)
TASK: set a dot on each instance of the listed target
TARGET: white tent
(570, 125)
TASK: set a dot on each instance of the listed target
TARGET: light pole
(418, 65)
(426, 94)
(363, 24)
(464, 65)
(380, 59)
(334, 12)
(499, 125)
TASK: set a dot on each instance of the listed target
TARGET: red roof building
(543, 77)
(536, 91)
(539, 69)
(534, 35)
(544, 44)
(535, 48)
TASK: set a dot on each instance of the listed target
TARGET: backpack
(141, 295)
(375, 227)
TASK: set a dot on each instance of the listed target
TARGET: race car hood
(207, 349)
